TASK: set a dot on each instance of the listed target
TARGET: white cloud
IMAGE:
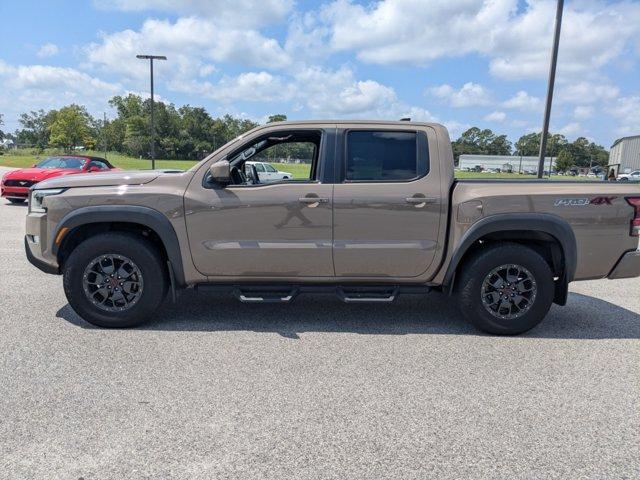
(47, 50)
(249, 86)
(236, 13)
(583, 112)
(523, 101)
(587, 92)
(627, 111)
(516, 38)
(496, 117)
(340, 93)
(469, 95)
(189, 43)
(31, 87)
(571, 129)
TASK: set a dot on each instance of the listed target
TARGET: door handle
(421, 200)
(309, 200)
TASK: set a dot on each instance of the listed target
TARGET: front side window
(382, 156)
(293, 155)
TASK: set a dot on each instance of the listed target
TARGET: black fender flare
(547, 223)
(146, 216)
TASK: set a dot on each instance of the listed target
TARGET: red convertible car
(15, 184)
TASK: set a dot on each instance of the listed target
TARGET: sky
(458, 62)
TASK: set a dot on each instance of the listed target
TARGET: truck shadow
(583, 317)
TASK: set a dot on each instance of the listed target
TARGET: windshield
(63, 162)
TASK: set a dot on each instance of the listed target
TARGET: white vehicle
(268, 173)
(630, 177)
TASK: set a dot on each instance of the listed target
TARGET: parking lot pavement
(212, 388)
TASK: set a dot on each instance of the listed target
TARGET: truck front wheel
(115, 280)
(505, 289)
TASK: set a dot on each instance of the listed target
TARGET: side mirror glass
(221, 172)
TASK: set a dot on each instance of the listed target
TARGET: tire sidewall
(146, 258)
(470, 292)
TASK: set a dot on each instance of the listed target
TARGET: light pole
(552, 80)
(151, 58)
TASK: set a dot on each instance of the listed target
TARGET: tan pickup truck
(375, 213)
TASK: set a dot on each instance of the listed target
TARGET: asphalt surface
(212, 388)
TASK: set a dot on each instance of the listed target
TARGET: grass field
(26, 158)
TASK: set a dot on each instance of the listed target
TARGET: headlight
(37, 198)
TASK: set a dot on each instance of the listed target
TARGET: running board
(262, 295)
(367, 294)
(286, 293)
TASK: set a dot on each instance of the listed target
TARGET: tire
(149, 279)
(477, 298)
(285, 178)
(17, 201)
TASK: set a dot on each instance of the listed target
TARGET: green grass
(298, 170)
(26, 158)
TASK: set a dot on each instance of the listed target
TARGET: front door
(277, 229)
(387, 203)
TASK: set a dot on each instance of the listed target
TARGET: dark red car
(15, 184)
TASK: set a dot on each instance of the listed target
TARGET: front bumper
(14, 192)
(38, 262)
(37, 243)
(627, 267)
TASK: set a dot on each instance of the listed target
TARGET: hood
(102, 180)
(38, 174)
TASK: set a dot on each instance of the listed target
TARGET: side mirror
(94, 169)
(221, 172)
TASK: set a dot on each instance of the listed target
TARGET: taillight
(635, 223)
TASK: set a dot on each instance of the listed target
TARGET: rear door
(387, 202)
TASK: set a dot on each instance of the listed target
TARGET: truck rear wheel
(506, 289)
(115, 280)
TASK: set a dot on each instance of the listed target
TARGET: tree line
(579, 153)
(191, 132)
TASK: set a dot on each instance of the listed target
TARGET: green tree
(564, 161)
(529, 144)
(71, 128)
(35, 128)
(477, 141)
(278, 117)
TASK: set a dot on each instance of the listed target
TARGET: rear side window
(384, 156)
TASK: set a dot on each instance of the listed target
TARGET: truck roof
(361, 122)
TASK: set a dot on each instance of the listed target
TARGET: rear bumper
(627, 267)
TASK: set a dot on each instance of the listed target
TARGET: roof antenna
(405, 119)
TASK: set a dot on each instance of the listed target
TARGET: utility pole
(151, 58)
(552, 80)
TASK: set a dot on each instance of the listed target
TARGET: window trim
(422, 145)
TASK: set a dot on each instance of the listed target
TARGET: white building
(624, 155)
(517, 163)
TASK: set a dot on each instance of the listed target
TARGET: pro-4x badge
(579, 202)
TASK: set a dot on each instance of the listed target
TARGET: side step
(365, 294)
(286, 293)
(264, 295)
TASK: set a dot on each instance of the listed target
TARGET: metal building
(518, 164)
(625, 154)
